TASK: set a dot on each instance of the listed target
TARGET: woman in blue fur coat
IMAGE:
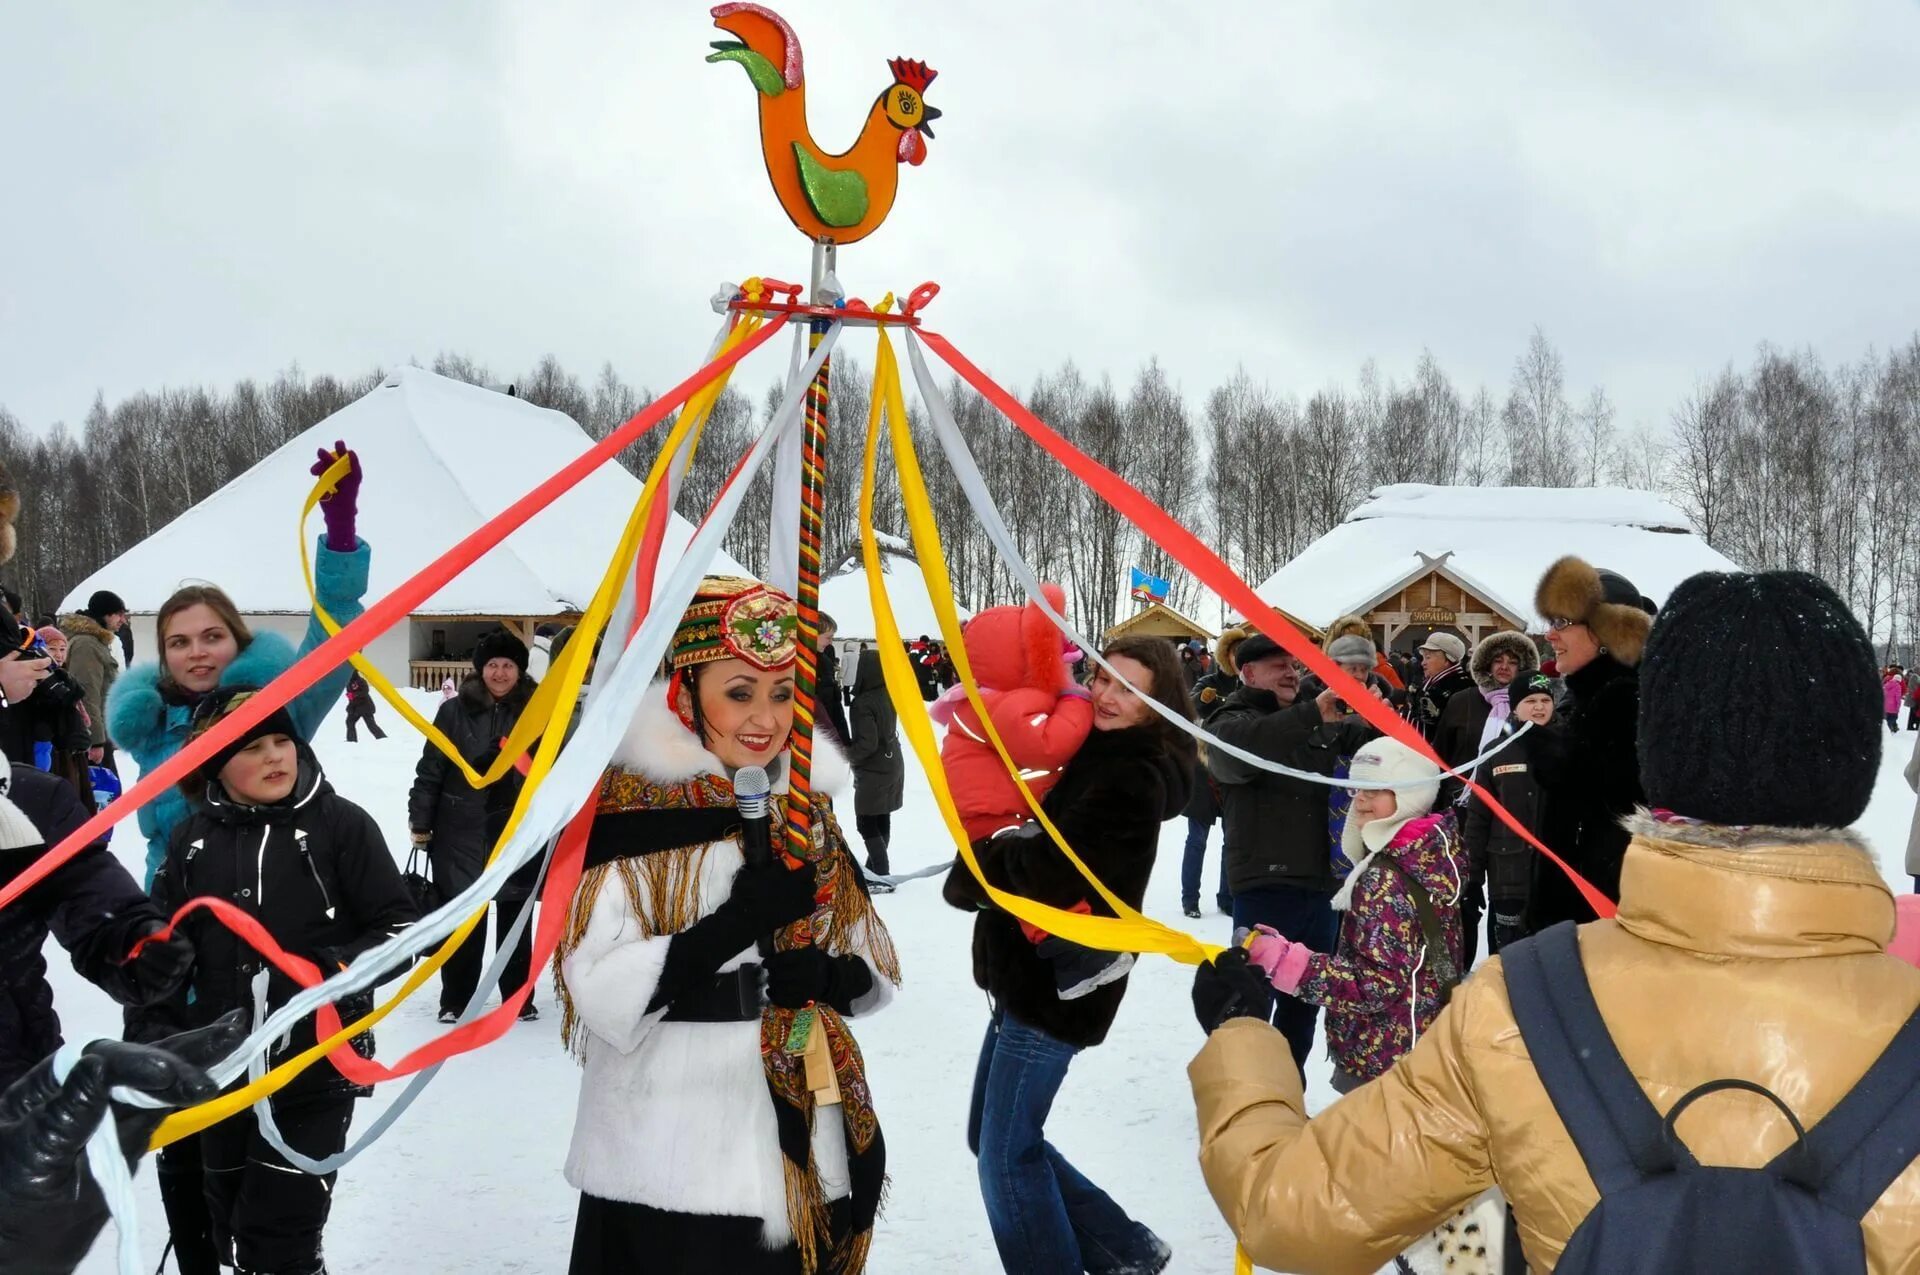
(204, 645)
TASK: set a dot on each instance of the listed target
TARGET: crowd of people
(1496, 1113)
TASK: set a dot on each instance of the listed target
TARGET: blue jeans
(1305, 916)
(1191, 863)
(1046, 1217)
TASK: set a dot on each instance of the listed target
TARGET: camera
(57, 689)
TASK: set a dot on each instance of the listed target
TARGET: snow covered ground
(469, 1181)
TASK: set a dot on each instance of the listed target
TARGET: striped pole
(813, 491)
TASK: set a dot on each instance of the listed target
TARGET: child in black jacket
(1499, 857)
(273, 838)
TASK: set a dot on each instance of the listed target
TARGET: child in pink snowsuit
(1392, 970)
(1025, 670)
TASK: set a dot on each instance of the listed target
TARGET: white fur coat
(677, 1115)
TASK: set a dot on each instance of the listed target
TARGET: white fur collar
(658, 746)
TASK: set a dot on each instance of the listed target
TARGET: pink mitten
(1282, 960)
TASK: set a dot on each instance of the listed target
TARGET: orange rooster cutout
(832, 198)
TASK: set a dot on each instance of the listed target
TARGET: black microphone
(750, 790)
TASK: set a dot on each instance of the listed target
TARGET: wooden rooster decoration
(833, 198)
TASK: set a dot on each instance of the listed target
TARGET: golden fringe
(853, 1257)
(663, 895)
(852, 906)
(806, 1207)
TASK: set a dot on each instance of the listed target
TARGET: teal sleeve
(340, 581)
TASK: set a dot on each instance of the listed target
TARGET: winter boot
(1078, 970)
(877, 865)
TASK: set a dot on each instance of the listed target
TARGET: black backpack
(1660, 1210)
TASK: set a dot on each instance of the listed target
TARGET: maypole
(825, 292)
(833, 198)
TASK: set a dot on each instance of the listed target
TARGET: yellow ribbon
(1128, 930)
(567, 677)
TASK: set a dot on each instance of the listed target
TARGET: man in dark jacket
(1279, 862)
(459, 824)
(1210, 687)
(1442, 676)
(89, 904)
(828, 698)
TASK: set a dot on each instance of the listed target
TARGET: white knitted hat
(1417, 787)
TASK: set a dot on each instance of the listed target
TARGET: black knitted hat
(499, 645)
(1760, 703)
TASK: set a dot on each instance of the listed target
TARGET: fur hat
(1786, 732)
(1386, 759)
(1227, 644)
(499, 645)
(1351, 646)
(1492, 647)
(1604, 601)
(1347, 626)
(9, 510)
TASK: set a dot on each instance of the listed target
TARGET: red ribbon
(1206, 566)
(377, 618)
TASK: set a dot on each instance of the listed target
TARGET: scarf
(660, 869)
(1499, 713)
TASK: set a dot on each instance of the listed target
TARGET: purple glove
(1283, 961)
(343, 506)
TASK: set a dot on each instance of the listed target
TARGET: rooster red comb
(915, 75)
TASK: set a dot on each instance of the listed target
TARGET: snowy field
(469, 1181)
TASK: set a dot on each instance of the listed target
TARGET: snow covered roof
(843, 595)
(441, 457)
(1502, 539)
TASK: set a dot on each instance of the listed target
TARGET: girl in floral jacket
(1394, 968)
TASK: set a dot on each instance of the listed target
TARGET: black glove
(1229, 987)
(50, 1207)
(160, 969)
(798, 978)
(762, 900)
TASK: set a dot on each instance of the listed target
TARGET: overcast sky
(208, 191)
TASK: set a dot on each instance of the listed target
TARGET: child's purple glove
(1283, 961)
(343, 506)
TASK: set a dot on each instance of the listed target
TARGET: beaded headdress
(732, 618)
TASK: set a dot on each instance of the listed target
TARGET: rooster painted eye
(904, 107)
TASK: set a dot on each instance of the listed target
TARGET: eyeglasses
(1561, 623)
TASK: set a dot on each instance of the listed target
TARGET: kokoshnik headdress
(732, 618)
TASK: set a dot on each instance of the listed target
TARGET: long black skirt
(615, 1238)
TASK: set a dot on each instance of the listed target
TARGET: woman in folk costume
(708, 1137)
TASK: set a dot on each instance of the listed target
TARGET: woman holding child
(1132, 773)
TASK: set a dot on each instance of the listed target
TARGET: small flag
(1149, 588)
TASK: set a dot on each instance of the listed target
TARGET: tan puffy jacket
(1756, 954)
